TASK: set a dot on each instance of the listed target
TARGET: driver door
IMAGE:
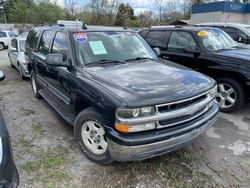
(178, 41)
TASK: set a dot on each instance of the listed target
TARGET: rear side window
(60, 45)
(2, 34)
(143, 33)
(45, 41)
(32, 40)
(180, 40)
(156, 38)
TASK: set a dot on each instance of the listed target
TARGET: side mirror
(56, 60)
(157, 51)
(191, 50)
(242, 39)
(2, 75)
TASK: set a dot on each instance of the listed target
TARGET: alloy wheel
(93, 137)
(226, 95)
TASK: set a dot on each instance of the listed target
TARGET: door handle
(165, 56)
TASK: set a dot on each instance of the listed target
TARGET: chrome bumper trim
(129, 153)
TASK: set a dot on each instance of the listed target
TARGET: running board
(65, 114)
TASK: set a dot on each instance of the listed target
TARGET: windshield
(22, 45)
(247, 28)
(215, 39)
(92, 47)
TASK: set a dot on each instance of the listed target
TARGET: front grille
(183, 111)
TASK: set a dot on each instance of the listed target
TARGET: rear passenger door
(43, 70)
(178, 41)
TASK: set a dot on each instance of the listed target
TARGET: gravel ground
(46, 154)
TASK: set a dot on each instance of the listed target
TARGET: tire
(233, 90)
(12, 66)
(1, 46)
(21, 72)
(86, 139)
(34, 85)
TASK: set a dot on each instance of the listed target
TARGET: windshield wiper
(106, 61)
(139, 58)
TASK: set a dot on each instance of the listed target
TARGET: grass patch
(26, 112)
(37, 130)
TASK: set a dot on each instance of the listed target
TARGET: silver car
(16, 56)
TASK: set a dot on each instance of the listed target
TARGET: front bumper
(139, 152)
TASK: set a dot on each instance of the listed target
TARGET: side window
(235, 33)
(14, 43)
(2, 34)
(32, 40)
(60, 45)
(180, 40)
(45, 41)
(156, 38)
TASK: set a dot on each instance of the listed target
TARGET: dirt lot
(46, 154)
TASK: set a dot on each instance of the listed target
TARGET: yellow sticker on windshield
(202, 33)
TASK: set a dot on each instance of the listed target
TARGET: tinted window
(180, 40)
(234, 33)
(156, 38)
(60, 45)
(14, 43)
(32, 40)
(2, 34)
(45, 41)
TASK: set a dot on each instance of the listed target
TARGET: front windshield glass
(22, 45)
(92, 47)
(247, 28)
(215, 39)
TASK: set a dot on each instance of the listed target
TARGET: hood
(243, 54)
(150, 83)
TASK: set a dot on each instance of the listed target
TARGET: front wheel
(231, 96)
(34, 85)
(90, 136)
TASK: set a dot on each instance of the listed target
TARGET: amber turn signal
(121, 128)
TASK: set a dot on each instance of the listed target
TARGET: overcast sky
(138, 5)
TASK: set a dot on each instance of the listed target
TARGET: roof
(188, 28)
(222, 6)
(76, 28)
(224, 24)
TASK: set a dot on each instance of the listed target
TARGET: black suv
(9, 177)
(123, 103)
(210, 51)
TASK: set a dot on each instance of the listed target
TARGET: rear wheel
(34, 85)
(231, 96)
(90, 136)
(1, 46)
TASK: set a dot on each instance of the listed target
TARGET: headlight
(135, 113)
(1, 151)
(213, 92)
(123, 113)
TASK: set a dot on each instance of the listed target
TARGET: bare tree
(159, 5)
(70, 7)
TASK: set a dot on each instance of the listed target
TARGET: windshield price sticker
(202, 33)
(81, 37)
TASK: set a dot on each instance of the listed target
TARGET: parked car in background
(5, 37)
(210, 51)
(16, 56)
(124, 104)
(9, 177)
(239, 32)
